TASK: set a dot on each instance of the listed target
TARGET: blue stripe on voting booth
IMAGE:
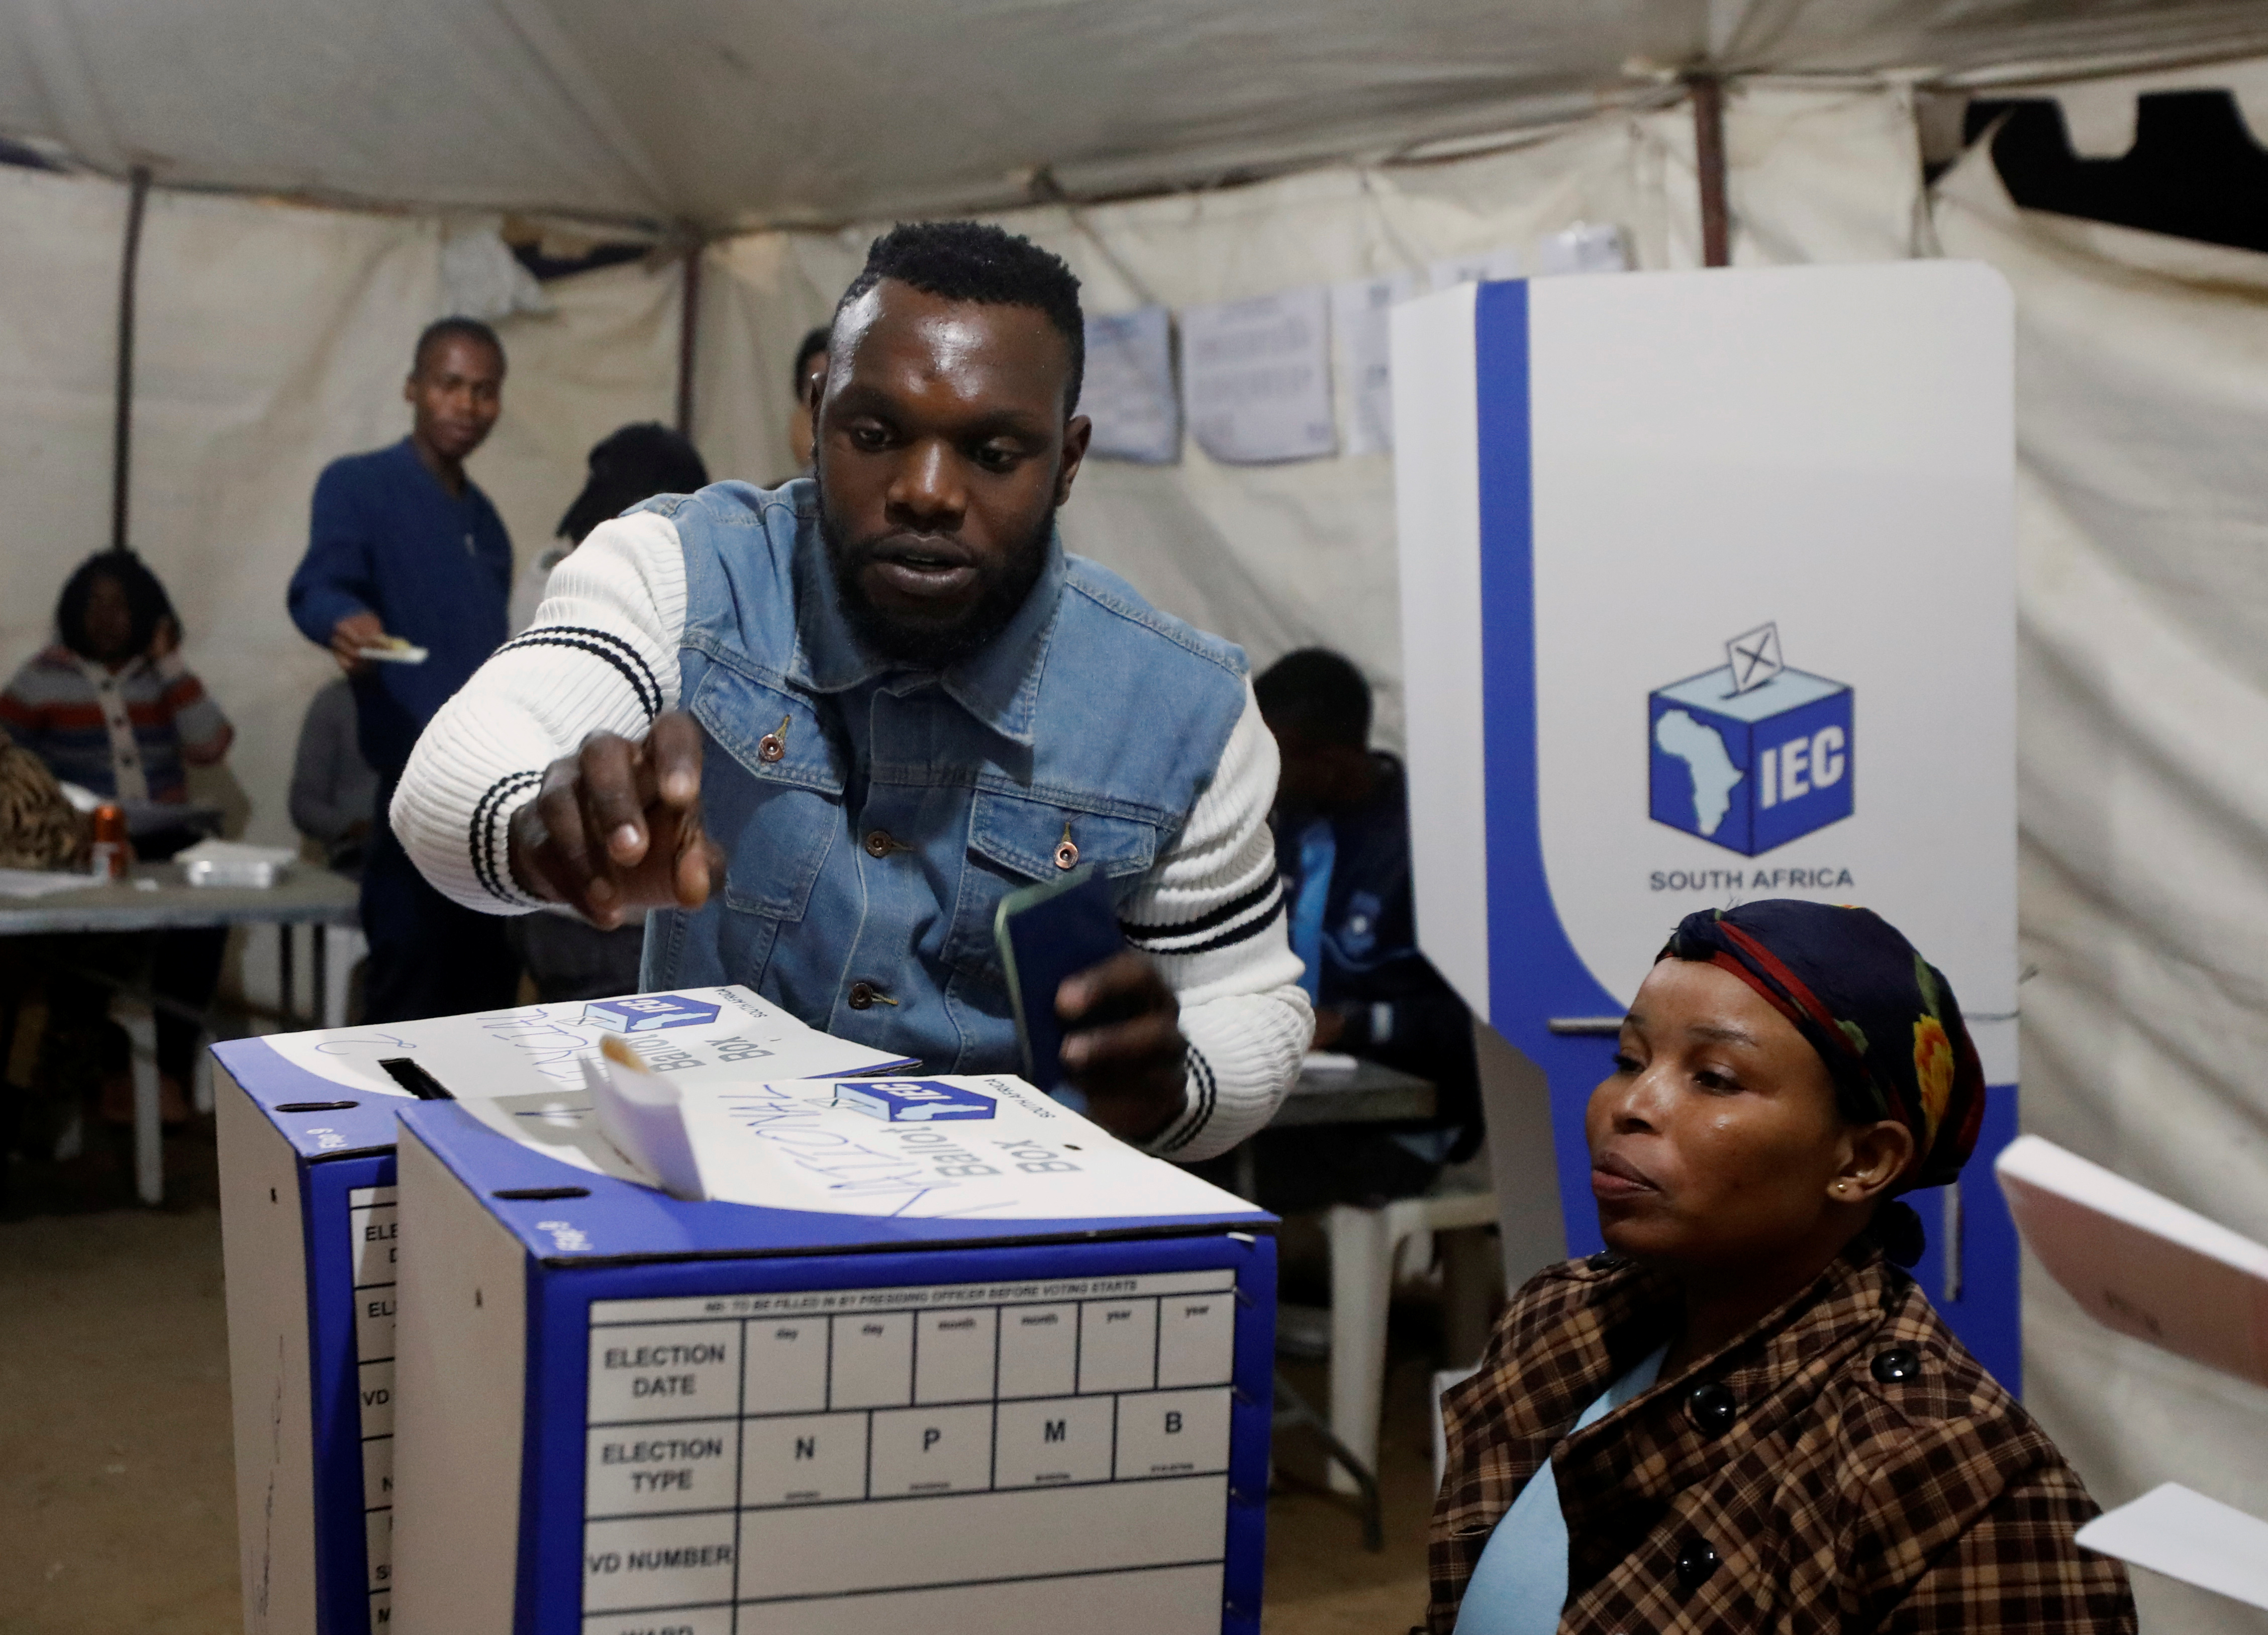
(1534, 970)
(696, 1412)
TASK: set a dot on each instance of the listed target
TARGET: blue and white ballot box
(1708, 594)
(985, 1370)
(310, 1223)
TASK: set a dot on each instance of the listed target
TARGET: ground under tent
(271, 337)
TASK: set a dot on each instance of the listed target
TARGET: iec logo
(911, 1100)
(643, 1013)
(1751, 756)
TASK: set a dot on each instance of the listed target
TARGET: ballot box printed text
(756, 1451)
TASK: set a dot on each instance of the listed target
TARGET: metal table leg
(133, 1013)
(286, 988)
(1293, 1412)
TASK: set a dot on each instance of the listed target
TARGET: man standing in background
(404, 556)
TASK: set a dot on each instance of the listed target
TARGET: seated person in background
(804, 379)
(565, 955)
(1343, 848)
(110, 708)
(1745, 1415)
(332, 788)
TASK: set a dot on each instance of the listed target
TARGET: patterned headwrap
(1883, 1017)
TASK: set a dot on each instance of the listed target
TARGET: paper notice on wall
(1474, 267)
(1358, 313)
(1129, 387)
(1258, 379)
(1588, 246)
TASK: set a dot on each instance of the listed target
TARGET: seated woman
(1744, 1416)
(110, 707)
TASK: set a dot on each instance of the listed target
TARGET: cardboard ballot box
(309, 1224)
(981, 1369)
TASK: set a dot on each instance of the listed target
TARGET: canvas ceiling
(731, 114)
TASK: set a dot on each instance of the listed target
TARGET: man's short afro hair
(970, 260)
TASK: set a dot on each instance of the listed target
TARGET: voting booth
(310, 1228)
(1708, 595)
(991, 1372)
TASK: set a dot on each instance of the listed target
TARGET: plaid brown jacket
(1844, 1466)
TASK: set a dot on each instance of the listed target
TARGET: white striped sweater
(602, 657)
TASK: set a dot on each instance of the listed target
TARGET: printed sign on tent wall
(1588, 246)
(1129, 387)
(1473, 267)
(1257, 378)
(1359, 312)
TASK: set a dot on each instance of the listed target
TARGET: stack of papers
(41, 882)
(2187, 1536)
(232, 863)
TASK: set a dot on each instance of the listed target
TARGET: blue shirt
(435, 567)
(1521, 1586)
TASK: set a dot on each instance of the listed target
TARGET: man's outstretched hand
(1122, 1045)
(617, 827)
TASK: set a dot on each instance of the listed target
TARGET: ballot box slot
(809, 1251)
(412, 1077)
(540, 1194)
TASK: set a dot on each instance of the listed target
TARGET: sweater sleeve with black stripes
(602, 657)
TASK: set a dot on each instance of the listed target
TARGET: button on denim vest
(873, 817)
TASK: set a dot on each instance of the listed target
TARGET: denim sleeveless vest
(873, 817)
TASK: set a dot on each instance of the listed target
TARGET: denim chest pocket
(1016, 840)
(774, 799)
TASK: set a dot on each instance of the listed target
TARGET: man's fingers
(1143, 1042)
(560, 812)
(616, 787)
(674, 750)
(1125, 976)
(699, 865)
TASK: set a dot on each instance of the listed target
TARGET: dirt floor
(116, 1501)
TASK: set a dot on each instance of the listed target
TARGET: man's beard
(929, 644)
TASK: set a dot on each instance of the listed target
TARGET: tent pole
(1709, 164)
(688, 328)
(121, 431)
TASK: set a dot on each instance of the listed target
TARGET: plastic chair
(1365, 1244)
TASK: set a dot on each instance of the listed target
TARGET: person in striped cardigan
(110, 707)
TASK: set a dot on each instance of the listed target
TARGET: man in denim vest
(821, 730)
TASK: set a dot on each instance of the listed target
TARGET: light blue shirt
(1521, 1586)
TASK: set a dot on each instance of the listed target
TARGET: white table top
(306, 895)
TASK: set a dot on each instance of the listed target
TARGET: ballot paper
(985, 1146)
(521, 1072)
(42, 883)
(1358, 310)
(2187, 1536)
(1474, 267)
(1256, 377)
(1128, 391)
(2140, 1264)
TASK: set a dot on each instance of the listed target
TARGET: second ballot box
(309, 1228)
(998, 1372)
